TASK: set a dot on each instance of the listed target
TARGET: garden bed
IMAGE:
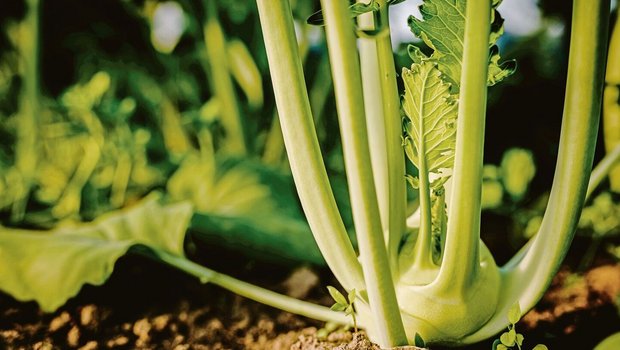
(144, 306)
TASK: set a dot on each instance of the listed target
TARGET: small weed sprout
(510, 338)
(344, 304)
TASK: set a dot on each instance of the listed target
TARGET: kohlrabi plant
(428, 274)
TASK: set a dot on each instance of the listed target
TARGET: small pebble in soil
(87, 315)
(73, 337)
(118, 341)
(59, 321)
(91, 345)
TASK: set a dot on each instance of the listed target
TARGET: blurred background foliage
(102, 102)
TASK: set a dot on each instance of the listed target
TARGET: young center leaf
(50, 267)
(442, 28)
(431, 118)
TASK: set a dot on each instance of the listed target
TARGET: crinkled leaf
(337, 296)
(442, 28)
(51, 266)
(431, 118)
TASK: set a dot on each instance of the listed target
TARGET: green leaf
(520, 339)
(501, 347)
(496, 343)
(610, 343)
(431, 118)
(544, 347)
(508, 338)
(419, 341)
(338, 307)
(442, 28)
(337, 296)
(514, 313)
(351, 296)
(348, 310)
(50, 267)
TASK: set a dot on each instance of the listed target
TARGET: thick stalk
(302, 145)
(248, 290)
(582, 107)
(373, 103)
(611, 103)
(461, 257)
(382, 103)
(221, 82)
(394, 131)
(423, 258)
(28, 117)
(350, 105)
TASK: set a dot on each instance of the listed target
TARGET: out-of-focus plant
(511, 179)
(611, 103)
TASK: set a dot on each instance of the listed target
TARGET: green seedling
(511, 339)
(344, 304)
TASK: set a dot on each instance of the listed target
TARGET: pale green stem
(384, 129)
(350, 105)
(302, 145)
(394, 131)
(611, 104)
(250, 291)
(221, 82)
(461, 256)
(373, 103)
(602, 169)
(525, 277)
(423, 258)
(27, 130)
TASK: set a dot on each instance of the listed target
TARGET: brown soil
(147, 306)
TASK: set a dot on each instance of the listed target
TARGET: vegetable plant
(428, 273)
(425, 275)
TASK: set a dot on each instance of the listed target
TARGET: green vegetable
(442, 281)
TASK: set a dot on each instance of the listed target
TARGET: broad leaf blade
(431, 115)
(51, 267)
(442, 28)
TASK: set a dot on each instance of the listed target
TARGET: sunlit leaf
(50, 267)
(431, 118)
(337, 296)
(442, 28)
